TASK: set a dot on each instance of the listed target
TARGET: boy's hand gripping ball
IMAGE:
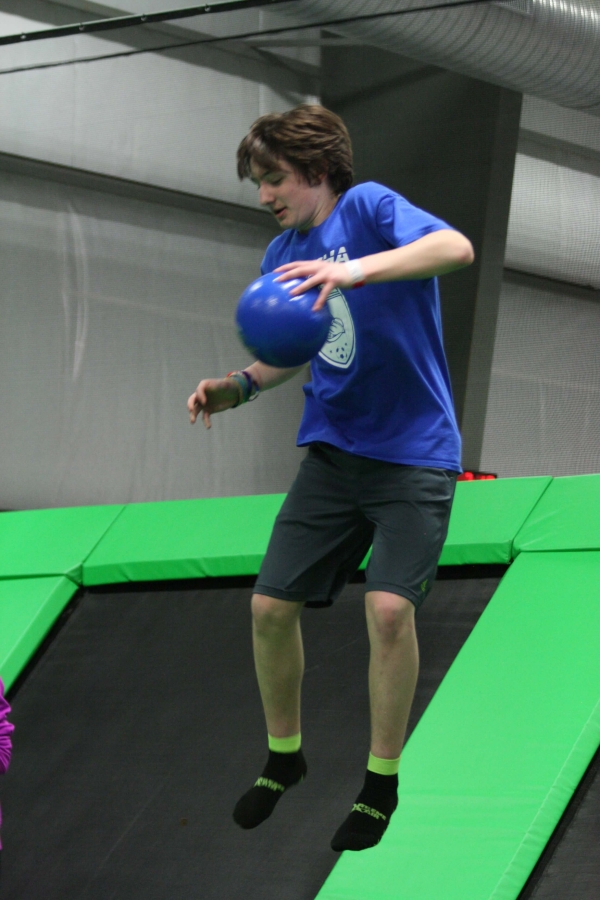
(279, 329)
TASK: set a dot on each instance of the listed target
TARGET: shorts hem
(293, 596)
(415, 599)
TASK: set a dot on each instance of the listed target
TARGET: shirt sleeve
(6, 729)
(401, 223)
(269, 260)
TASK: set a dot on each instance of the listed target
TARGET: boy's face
(293, 202)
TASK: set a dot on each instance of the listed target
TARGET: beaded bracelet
(253, 388)
(241, 385)
(248, 388)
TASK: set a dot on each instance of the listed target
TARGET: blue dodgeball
(279, 329)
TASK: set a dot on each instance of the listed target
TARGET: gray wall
(544, 405)
(543, 415)
(119, 281)
(113, 308)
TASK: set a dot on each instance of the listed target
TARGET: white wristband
(355, 272)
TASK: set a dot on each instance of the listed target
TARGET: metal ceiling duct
(548, 48)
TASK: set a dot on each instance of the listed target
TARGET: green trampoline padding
(566, 518)
(185, 539)
(28, 609)
(51, 541)
(486, 516)
(228, 536)
(493, 762)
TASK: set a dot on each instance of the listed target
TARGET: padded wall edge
(551, 810)
(486, 516)
(29, 608)
(494, 760)
(180, 539)
(565, 518)
(47, 542)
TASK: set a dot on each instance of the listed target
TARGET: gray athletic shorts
(341, 504)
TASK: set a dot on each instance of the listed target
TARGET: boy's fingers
(300, 272)
(191, 407)
(294, 265)
(310, 282)
(322, 298)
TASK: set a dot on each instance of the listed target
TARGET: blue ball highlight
(279, 329)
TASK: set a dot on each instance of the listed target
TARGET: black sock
(282, 771)
(370, 816)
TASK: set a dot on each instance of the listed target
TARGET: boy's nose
(265, 194)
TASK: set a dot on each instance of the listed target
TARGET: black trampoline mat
(141, 724)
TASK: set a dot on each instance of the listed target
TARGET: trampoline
(138, 720)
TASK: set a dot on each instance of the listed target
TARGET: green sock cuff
(383, 766)
(285, 745)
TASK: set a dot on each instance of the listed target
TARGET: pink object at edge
(6, 729)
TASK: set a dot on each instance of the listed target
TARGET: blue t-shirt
(380, 386)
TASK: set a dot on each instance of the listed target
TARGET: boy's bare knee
(391, 615)
(272, 614)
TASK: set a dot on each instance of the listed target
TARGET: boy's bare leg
(393, 670)
(279, 661)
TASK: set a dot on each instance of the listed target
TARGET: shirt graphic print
(340, 346)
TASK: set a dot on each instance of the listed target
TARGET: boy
(383, 444)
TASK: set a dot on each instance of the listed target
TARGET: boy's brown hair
(310, 138)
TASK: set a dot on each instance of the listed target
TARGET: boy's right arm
(215, 395)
